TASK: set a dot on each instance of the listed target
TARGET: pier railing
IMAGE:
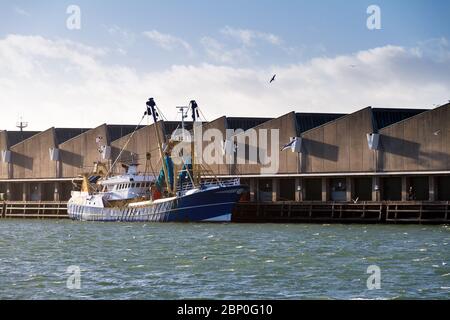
(34, 209)
(422, 212)
(286, 212)
(342, 212)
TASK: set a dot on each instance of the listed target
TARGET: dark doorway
(65, 191)
(16, 191)
(3, 191)
(443, 185)
(392, 189)
(287, 190)
(265, 190)
(35, 192)
(48, 192)
(338, 188)
(363, 189)
(313, 189)
(245, 195)
(418, 189)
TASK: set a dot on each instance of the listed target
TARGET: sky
(220, 53)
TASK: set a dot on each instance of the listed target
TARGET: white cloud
(248, 37)
(126, 37)
(218, 52)
(62, 83)
(246, 45)
(168, 42)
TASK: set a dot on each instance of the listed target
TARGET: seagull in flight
(273, 78)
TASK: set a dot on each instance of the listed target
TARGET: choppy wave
(225, 261)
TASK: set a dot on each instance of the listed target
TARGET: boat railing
(211, 182)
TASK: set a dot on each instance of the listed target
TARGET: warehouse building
(370, 155)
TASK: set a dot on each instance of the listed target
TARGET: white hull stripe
(136, 210)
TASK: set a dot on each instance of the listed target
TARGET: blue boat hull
(211, 205)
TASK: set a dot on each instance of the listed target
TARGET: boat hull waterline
(211, 205)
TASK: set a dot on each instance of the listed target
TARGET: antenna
(183, 110)
(21, 124)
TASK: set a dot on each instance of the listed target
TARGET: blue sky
(235, 40)
(328, 27)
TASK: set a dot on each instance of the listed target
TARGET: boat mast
(195, 115)
(151, 111)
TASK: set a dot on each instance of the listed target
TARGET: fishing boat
(167, 197)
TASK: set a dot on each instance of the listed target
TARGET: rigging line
(151, 167)
(125, 145)
(162, 114)
(199, 109)
(138, 156)
(189, 174)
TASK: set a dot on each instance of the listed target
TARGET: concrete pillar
(432, 188)
(252, 187)
(8, 191)
(10, 170)
(325, 189)
(275, 187)
(257, 189)
(56, 194)
(25, 188)
(404, 189)
(298, 189)
(376, 189)
(348, 189)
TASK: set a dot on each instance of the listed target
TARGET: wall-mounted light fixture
(54, 154)
(106, 152)
(373, 141)
(6, 156)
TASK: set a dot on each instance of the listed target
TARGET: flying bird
(273, 78)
